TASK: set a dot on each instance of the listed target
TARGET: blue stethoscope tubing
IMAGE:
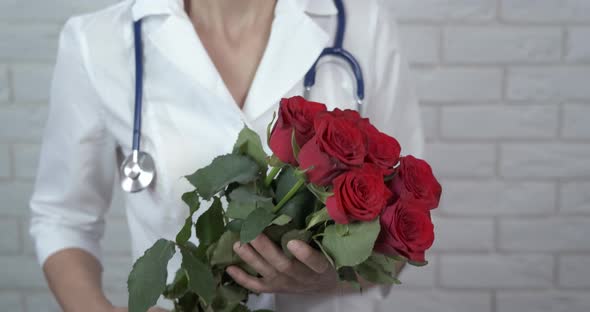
(138, 171)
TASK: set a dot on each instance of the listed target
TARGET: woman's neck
(229, 16)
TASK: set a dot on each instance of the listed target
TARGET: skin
(235, 34)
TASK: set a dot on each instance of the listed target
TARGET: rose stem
(289, 195)
(271, 175)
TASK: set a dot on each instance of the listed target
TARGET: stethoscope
(138, 170)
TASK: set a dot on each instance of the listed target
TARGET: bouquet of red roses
(335, 181)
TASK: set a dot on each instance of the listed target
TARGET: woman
(211, 66)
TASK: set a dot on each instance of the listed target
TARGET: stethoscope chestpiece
(137, 172)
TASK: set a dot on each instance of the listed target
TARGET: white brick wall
(505, 89)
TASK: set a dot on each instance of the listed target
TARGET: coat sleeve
(391, 104)
(77, 166)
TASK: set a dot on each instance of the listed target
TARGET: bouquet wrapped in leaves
(333, 181)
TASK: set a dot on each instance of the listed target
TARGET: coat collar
(144, 8)
(294, 44)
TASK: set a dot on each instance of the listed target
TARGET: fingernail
(236, 246)
(294, 244)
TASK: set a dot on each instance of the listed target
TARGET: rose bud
(297, 114)
(415, 181)
(359, 194)
(406, 230)
(382, 150)
(338, 145)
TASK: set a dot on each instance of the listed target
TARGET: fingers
(246, 280)
(251, 257)
(312, 258)
(276, 257)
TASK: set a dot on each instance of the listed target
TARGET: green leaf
(354, 248)
(255, 224)
(347, 274)
(192, 200)
(200, 278)
(374, 272)
(282, 220)
(275, 232)
(244, 200)
(301, 235)
(318, 217)
(299, 207)
(249, 144)
(294, 144)
(235, 225)
(178, 287)
(223, 254)
(274, 161)
(269, 127)
(342, 229)
(233, 294)
(147, 279)
(222, 171)
(210, 225)
(320, 192)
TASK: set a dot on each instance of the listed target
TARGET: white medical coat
(189, 116)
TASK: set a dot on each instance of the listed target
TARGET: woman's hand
(309, 272)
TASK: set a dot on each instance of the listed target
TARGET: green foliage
(353, 248)
(255, 224)
(318, 217)
(192, 200)
(378, 269)
(178, 287)
(147, 279)
(223, 253)
(249, 144)
(210, 224)
(244, 200)
(222, 171)
(301, 235)
(200, 278)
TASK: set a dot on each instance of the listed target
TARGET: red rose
(406, 229)
(338, 145)
(415, 181)
(382, 150)
(294, 113)
(359, 194)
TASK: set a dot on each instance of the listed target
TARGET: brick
(41, 11)
(26, 158)
(484, 45)
(548, 83)
(575, 197)
(546, 10)
(497, 122)
(9, 236)
(428, 301)
(461, 160)
(573, 271)
(28, 42)
(444, 10)
(429, 121)
(459, 84)
(15, 198)
(421, 43)
(545, 235)
(412, 276)
(4, 85)
(5, 162)
(546, 301)
(497, 198)
(116, 239)
(576, 121)
(22, 122)
(545, 160)
(32, 83)
(42, 302)
(463, 234)
(496, 271)
(28, 275)
(11, 302)
(578, 48)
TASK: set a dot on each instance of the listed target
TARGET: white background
(505, 89)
